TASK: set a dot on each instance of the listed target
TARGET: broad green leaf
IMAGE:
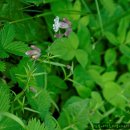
(109, 76)
(97, 97)
(84, 38)
(40, 101)
(53, 79)
(96, 77)
(110, 57)
(76, 7)
(83, 91)
(109, 6)
(13, 117)
(7, 35)
(124, 78)
(96, 102)
(9, 124)
(113, 94)
(125, 50)
(61, 8)
(112, 38)
(98, 68)
(56, 84)
(81, 77)
(31, 30)
(123, 25)
(82, 57)
(95, 116)
(17, 48)
(63, 48)
(126, 91)
(84, 21)
(76, 113)
(73, 40)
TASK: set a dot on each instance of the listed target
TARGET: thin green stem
(75, 12)
(53, 63)
(100, 18)
(45, 84)
(29, 18)
(85, 5)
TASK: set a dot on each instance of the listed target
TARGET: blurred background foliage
(78, 80)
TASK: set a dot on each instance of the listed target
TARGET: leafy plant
(75, 77)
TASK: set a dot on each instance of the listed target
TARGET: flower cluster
(64, 24)
(34, 53)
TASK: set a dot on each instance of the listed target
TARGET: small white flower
(64, 24)
(56, 24)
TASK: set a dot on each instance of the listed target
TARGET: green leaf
(13, 117)
(34, 124)
(82, 57)
(7, 35)
(96, 101)
(62, 48)
(84, 21)
(109, 5)
(17, 48)
(24, 72)
(123, 25)
(96, 77)
(113, 94)
(4, 97)
(84, 38)
(2, 66)
(82, 78)
(76, 113)
(110, 57)
(51, 123)
(124, 78)
(76, 7)
(109, 76)
(9, 124)
(61, 7)
(53, 86)
(125, 50)
(111, 38)
(98, 68)
(128, 38)
(73, 40)
(41, 101)
(126, 91)
(83, 91)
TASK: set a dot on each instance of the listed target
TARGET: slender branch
(100, 18)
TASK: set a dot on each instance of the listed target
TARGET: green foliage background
(78, 80)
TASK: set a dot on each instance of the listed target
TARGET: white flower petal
(56, 24)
